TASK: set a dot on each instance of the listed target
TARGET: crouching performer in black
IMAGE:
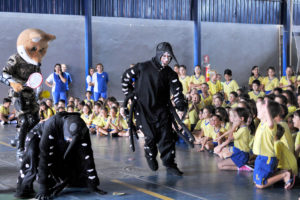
(65, 158)
(151, 105)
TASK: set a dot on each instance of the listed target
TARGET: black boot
(174, 170)
(152, 163)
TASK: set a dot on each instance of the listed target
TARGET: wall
(118, 42)
(239, 47)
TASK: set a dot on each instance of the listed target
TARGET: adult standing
(100, 80)
(89, 81)
(154, 80)
(58, 80)
(69, 78)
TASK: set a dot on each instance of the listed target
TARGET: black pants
(161, 138)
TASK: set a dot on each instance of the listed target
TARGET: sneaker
(174, 171)
(152, 163)
(245, 168)
(3, 123)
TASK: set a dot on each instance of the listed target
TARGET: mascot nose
(39, 64)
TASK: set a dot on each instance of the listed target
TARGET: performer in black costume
(58, 151)
(150, 95)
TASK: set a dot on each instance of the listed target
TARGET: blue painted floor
(125, 175)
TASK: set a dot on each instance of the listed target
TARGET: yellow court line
(5, 144)
(142, 190)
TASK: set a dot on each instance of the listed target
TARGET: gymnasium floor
(125, 175)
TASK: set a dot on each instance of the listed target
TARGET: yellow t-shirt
(49, 113)
(97, 119)
(215, 87)
(198, 125)
(113, 121)
(197, 80)
(297, 140)
(234, 105)
(251, 141)
(206, 127)
(214, 132)
(123, 123)
(292, 109)
(255, 96)
(287, 137)
(252, 78)
(231, 86)
(270, 84)
(193, 115)
(242, 139)
(187, 124)
(286, 159)
(86, 118)
(206, 101)
(185, 84)
(285, 82)
(264, 140)
(91, 100)
(3, 110)
(103, 122)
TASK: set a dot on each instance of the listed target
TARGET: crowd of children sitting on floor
(256, 128)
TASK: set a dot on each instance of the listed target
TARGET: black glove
(181, 105)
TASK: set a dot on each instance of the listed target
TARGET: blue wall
(234, 11)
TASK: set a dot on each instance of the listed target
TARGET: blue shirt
(69, 80)
(100, 82)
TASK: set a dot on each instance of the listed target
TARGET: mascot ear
(71, 146)
(49, 37)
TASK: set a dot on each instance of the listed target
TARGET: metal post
(287, 34)
(196, 16)
(88, 35)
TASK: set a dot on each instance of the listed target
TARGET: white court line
(186, 193)
(9, 163)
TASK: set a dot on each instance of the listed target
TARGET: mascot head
(32, 45)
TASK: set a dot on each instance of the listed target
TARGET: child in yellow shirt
(270, 82)
(287, 80)
(256, 92)
(206, 97)
(263, 146)
(184, 79)
(86, 115)
(197, 79)
(255, 76)
(240, 134)
(229, 84)
(103, 125)
(5, 116)
(202, 131)
(214, 84)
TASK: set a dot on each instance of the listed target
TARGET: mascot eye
(33, 49)
(41, 50)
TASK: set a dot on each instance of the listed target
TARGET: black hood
(162, 48)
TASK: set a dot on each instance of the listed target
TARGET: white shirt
(89, 80)
(51, 79)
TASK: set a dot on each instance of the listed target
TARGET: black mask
(162, 48)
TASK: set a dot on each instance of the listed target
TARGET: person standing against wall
(89, 82)
(100, 80)
(69, 78)
(58, 79)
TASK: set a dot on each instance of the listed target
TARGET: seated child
(96, 118)
(199, 132)
(88, 97)
(70, 108)
(113, 129)
(5, 116)
(103, 125)
(206, 97)
(240, 134)
(86, 115)
(286, 159)
(209, 142)
(123, 126)
(256, 92)
(193, 110)
(45, 112)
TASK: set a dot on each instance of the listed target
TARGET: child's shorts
(215, 144)
(92, 126)
(264, 167)
(268, 91)
(240, 158)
